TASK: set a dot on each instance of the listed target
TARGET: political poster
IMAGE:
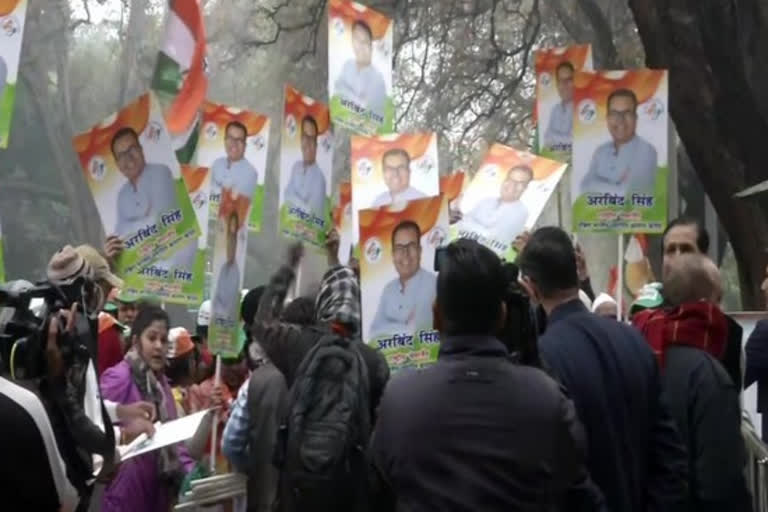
(234, 145)
(620, 154)
(506, 197)
(12, 19)
(398, 280)
(180, 79)
(342, 222)
(306, 164)
(136, 183)
(555, 68)
(2, 260)
(360, 68)
(390, 169)
(451, 188)
(229, 255)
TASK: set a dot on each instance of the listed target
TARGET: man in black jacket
(702, 398)
(635, 453)
(476, 431)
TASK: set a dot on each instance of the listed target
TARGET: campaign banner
(229, 255)
(136, 183)
(555, 68)
(2, 260)
(506, 197)
(398, 280)
(390, 169)
(360, 68)
(620, 154)
(342, 222)
(12, 17)
(306, 164)
(234, 145)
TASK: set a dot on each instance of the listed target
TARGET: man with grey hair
(689, 340)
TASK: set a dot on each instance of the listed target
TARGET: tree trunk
(717, 54)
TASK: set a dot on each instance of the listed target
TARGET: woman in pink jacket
(148, 482)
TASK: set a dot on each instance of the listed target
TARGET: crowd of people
(542, 398)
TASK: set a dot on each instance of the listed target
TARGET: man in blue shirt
(636, 455)
(306, 186)
(227, 295)
(360, 82)
(396, 170)
(559, 133)
(627, 163)
(234, 170)
(405, 304)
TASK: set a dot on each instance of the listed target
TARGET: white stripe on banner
(179, 42)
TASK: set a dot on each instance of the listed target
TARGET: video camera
(24, 333)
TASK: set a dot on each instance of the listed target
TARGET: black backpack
(323, 439)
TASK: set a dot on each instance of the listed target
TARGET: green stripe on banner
(185, 153)
(167, 76)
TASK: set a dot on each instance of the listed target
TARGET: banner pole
(214, 427)
(620, 280)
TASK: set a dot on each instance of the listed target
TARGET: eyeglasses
(398, 168)
(131, 152)
(401, 249)
(309, 138)
(234, 140)
(621, 115)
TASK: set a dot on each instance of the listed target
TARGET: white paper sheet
(168, 433)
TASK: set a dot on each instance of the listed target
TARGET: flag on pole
(180, 78)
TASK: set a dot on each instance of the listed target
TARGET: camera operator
(58, 361)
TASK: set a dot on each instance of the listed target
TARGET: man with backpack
(335, 382)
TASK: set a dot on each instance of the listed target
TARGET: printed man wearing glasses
(149, 191)
(396, 167)
(234, 171)
(405, 305)
(306, 186)
(559, 131)
(628, 163)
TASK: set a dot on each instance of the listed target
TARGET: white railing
(757, 465)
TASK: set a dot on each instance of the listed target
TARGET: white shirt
(154, 195)
(387, 198)
(365, 87)
(497, 219)
(405, 309)
(240, 176)
(306, 189)
(631, 168)
(559, 132)
(227, 296)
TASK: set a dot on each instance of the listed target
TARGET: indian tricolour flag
(180, 79)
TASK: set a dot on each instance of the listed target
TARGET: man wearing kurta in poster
(306, 160)
(229, 256)
(234, 144)
(620, 164)
(390, 169)
(141, 197)
(12, 21)
(506, 197)
(555, 68)
(398, 280)
(360, 68)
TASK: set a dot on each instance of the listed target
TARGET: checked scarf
(338, 302)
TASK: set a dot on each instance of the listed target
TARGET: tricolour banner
(360, 68)
(12, 17)
(180, 80)
(234, 145)
(136, 183)
(506, 197)
(390, 169)
(306, 163)
(620, 154)
(343, 223)
(555, 68)
(398, 279)
(229, 255)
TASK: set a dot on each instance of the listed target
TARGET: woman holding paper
(148, 482)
